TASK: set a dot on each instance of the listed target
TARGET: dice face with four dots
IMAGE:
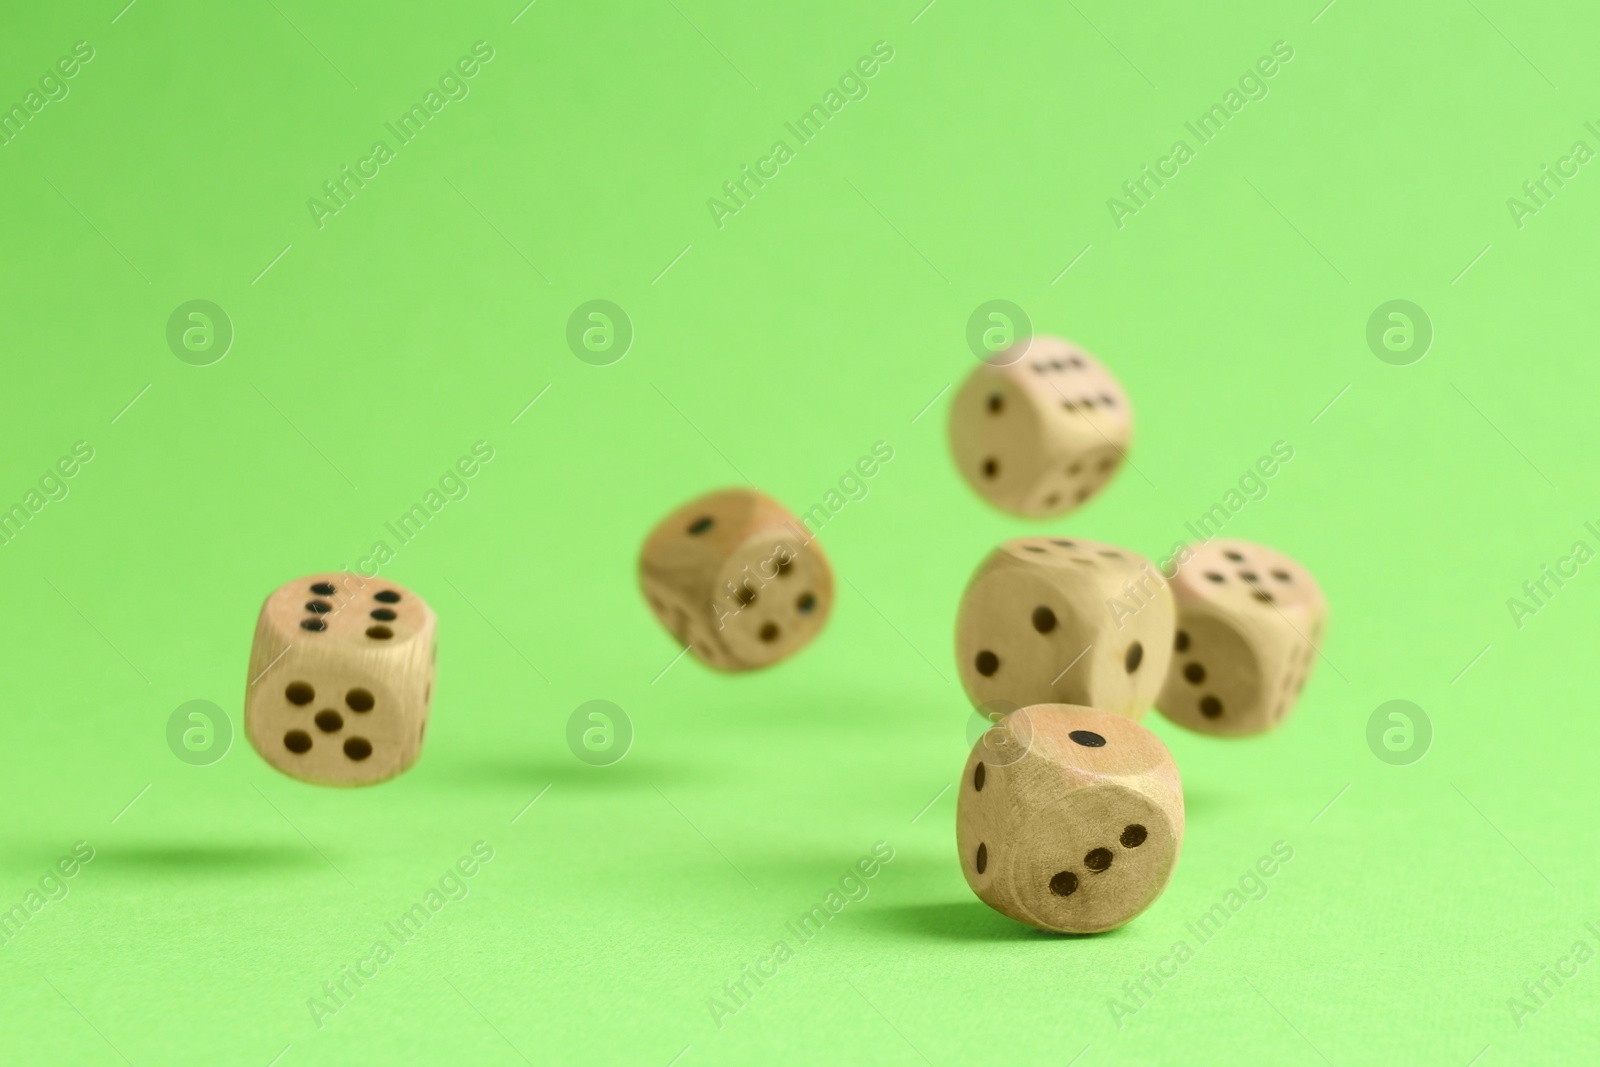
(341, 677)
(737, 579)
(1069, 818)
(1040, 428)
(1250, 620)
(1057, 620)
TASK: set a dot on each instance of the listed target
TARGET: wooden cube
(341, 678)
(1069, 819)
(737, 579)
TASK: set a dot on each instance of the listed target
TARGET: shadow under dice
(1040, 428)
(341, 672)
(735, 577)
(1250, 620)
(1069, 819)
(1052, 620)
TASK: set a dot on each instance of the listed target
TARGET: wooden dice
(737, 579)
(1040, 428)
(341, 676)
(1250, 620)
(1069, 819)
(1054, 620)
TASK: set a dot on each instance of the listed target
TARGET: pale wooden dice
(1040, 428)
(341, 677)
(737, 579)
(1069, 818)
(1048, 620)
(1250, 621)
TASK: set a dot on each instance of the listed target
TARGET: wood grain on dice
(1040, 428)
(1250, 621)
(1069, 818)
(1055, 620)
(341, 679)
(735, 577)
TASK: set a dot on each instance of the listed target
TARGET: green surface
(825, 315)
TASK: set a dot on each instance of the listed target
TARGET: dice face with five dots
(1040, 428)
(1069, 818)
(341, 677)
(1250, 620)
(1057, 620)
(737, 579)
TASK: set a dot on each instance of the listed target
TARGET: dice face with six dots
(1250, 620)
(736, 578)
(1040, 428)
(1069, 818)
(341, 676)
(1052, 620)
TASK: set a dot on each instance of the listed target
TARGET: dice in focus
(1040, 428)
(341, 678)
(1250, 621)
(737, 579)
(1069, 818)
(1047, 620)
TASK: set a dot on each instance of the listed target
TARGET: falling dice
(1040, 428)
(737, 579)
(1049, 620)
(341, 675)
(1250, 621)
(1069, 818)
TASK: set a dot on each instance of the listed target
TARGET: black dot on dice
(388, 596)
(1088, 738)
(1210, 707)
(991, 467)
(746, 595)
(1044, 620)
(1215, 577)
(359, 700)
(1133, 835)
(1064, 884)
(1194, 673)
(785, 564)
(977, 777)
(981, 860)
(987, 663)
(806, 604)
(1250, 576)
(1236, 557)
(768, 633)
(386, 615)
(1098, 859)
(314, 624)
(297, 741)
(329, 721)
(1263, 596)
(1181, 642)
(1282, 576)
(379, 633)
(358, 748)
(996, 402)
(319, 607)
(1061, 542)
(300, 693)
(1134, 657)
(323, 588)
(700, 525)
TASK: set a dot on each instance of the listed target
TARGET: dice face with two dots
(341, 673)
(1250, 620)
(736, 578)
(1049, 620)
(1040, 428)
(1069, 819)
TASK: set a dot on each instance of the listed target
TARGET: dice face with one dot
(1040, 428)
(1069, 818)
(341, 678)
(1250, 620)
(736, 578)
(1057, 620)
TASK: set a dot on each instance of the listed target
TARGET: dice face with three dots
(737, 579)
(1057, 620)
(1250, 620)
(341, 678)
(1069, 818)
(1040, 428)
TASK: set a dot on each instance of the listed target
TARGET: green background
(827, 315)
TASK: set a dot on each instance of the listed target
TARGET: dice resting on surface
(1069, 818)
(341, 677)
(737, 579)
(1040, 428)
